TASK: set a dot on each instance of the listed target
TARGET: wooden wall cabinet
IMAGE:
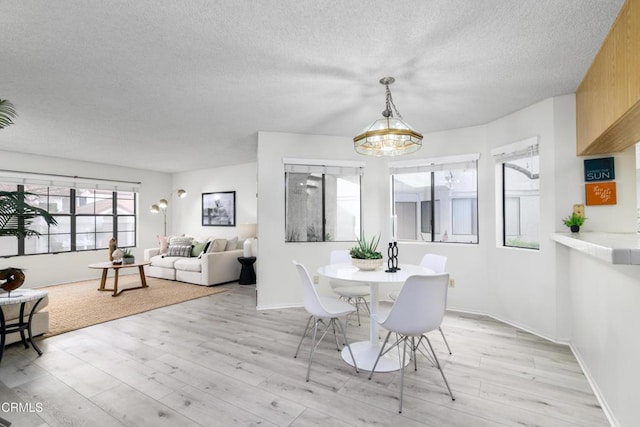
(608, 99)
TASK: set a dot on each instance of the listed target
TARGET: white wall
(278, 284)
(187, 212)
(605, 319)
(48, 269)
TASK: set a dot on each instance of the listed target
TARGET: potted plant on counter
(365, 255)
(574, 221)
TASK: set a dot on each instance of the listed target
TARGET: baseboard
(594, 386)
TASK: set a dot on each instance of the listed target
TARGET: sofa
(39, 323)
(204, 261)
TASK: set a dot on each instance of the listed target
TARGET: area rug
(79, 304)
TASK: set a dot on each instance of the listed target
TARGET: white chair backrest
(437, 263)
(340, 257)
(310, 296)
(420, 305)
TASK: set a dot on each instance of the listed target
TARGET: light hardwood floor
(216, 361)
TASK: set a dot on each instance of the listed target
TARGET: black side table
(247, 274)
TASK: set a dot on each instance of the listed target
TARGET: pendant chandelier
(389, 135)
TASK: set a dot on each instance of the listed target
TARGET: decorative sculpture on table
(13, 277)
(392, 254)
(117, 257)
(113, 245)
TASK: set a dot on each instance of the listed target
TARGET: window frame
(335, 169)
(433, 166)
(73, 217)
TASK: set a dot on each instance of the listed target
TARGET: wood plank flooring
(216, 361)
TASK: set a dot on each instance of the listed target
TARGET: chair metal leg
(440, 368)
(306, 329)
(313, 347)
(344, 336)
(404, 358)
(381, 353)
(445, 340)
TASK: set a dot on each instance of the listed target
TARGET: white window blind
(466, 161)
(68, 181)
(328, 167)
(517, 150)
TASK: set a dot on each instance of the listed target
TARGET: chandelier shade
(388, 135)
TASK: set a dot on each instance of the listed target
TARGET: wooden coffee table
(105, 266)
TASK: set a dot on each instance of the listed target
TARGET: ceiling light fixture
(389, 135)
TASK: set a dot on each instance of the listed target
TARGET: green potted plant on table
(574, 221)
(128, 257)
(365, 255)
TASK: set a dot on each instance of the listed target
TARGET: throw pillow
(218, 245)
(231, 244)
(205, 249)
(180, 241)
(179, 251)
(164, 244)
(197, 248)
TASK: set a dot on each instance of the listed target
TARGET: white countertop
(616, 248)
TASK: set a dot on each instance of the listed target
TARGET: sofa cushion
(188, 264)
(163, 261)
(232, 244)
(218, 245)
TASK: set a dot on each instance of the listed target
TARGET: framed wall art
(219, 209)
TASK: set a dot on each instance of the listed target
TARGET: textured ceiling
(186, 84)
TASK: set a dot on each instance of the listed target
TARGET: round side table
(23, 323)
(247, 274)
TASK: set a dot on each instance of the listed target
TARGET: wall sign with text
(601, 193)
(599, 169)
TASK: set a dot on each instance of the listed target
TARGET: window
(436, 200)
(519, 167)
(322, 203)
(86, 220)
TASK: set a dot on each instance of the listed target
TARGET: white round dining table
(366, 352)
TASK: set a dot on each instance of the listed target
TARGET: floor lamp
(163, 204)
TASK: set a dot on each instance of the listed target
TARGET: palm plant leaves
(7, 112)
(16, 215)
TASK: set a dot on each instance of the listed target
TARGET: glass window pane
(522, 203)
(126, 239)
(60, 243)
(452, 216)
(102, 240)
(126, 223)
(85, 241)
(63, 226)
(314, 200)
(37, 189)
(8, 244)
(104, 224)
(85, 224)
(8, 187)
(126, 207)
(104, 202)
(85, 202)
(36, 245)
(303, 210)
(342, 208)
(59, 204)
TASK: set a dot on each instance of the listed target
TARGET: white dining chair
(355, 295)
(418, 309)
(437, 264)
(321, 308)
